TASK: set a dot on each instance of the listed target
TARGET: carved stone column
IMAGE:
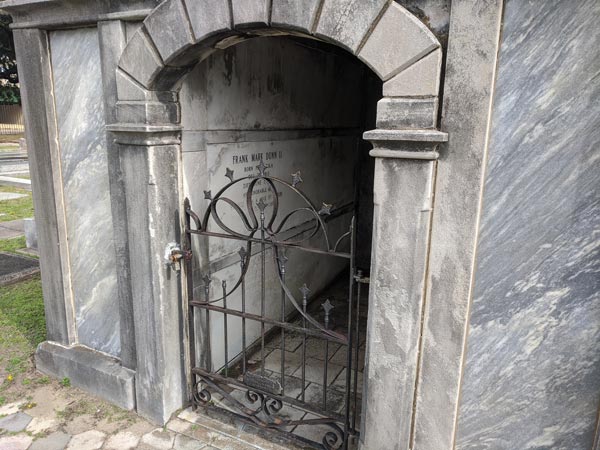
(150, 164)
(403, 193)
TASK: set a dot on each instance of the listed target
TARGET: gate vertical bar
(262, 206)
(242, 254)
(282, 262)
(305, 291)
(189, 275)
(225, 328)
(359, 275)
(207, 350)
(327, 307)
(350, 334)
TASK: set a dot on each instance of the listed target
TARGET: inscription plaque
(326, 166)
(265, 384)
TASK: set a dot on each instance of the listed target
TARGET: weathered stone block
(92, 440)
(396, 42)
(129, 89)
(294, 13)
(208, 17)
(140, 59)
(55, 441)
(34, 65)
(148, 112)
(93, 371)
(15, 422)
(31, 239)
(17, 442)
(402, 199)
(400, 113)
(151, 180)
(422, 78)
(250, 13)
(348, 21)
(170, 30)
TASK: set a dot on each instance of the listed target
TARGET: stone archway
(406, 56)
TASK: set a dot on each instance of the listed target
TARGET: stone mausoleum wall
(485, 315)
(532, 373)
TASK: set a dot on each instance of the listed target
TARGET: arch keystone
(208, 17)
(397, 42)
(248, 13)
(294, 14)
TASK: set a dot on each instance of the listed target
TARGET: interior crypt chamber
(299, 107)
(341, 224)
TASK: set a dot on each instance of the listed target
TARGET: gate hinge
(174, 255)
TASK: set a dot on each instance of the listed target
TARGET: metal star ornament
(207, 195)
(296, 179)
(206, 278)
(229, 174)
(325, 209)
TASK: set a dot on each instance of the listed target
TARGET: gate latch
(174, 255)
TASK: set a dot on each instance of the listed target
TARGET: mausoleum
(345, 223)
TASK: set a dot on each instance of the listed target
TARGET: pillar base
(89, 370)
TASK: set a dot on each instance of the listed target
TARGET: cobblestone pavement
(54, 427)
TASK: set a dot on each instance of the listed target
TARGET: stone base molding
(93, 371)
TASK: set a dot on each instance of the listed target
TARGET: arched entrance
(277, 123)
(406, 56)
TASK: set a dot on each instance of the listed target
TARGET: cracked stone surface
(54, 441)
(15, 442)
(89, 440)
(41, 424)
(15, 422)
(124, 440)
(159, 439)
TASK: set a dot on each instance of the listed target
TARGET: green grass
(9, 148)
(22, 326)
(19, 208)
(12, 245)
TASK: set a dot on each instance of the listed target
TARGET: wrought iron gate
(241, 386)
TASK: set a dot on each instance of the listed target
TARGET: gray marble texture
(532, 374)
(82, 142)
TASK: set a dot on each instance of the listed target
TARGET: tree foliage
(9, 78)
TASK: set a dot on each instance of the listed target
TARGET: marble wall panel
(82, 141)
(532, 376)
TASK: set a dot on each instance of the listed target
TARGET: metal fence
(11, 119)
